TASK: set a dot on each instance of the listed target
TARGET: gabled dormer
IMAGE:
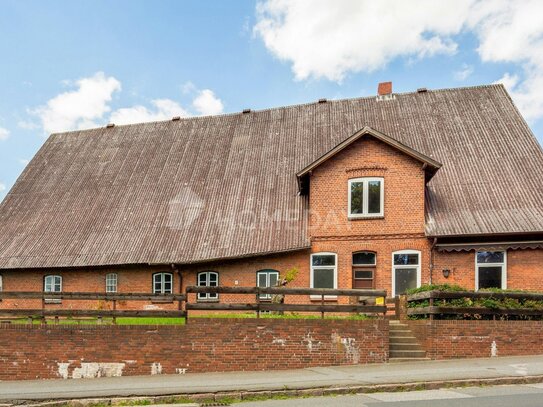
(369, 184)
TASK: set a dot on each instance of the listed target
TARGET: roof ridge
(240, 113)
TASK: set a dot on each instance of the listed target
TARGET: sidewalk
(344, 376)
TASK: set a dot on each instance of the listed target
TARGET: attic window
(366, 197)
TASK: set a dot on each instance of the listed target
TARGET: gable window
(364, 269)
(491, 270)
(52, 284)
(162, 283)
(405, 271)
(266, 278)
(111, 283)
(366, 197)
(208, 279)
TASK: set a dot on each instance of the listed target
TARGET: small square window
(366, 197)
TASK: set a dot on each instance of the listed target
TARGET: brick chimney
(384, 88)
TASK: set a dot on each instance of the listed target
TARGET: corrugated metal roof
(217, 187)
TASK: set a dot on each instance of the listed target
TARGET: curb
(197, 399)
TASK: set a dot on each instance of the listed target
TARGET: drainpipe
(432, 258)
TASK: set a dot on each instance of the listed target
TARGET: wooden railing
(318, 302)
(432, 310)
(109, 299)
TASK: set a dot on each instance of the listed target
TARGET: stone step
(407, 354)
(403, 339)
(400, 332)
(400, 360)
(405, 346)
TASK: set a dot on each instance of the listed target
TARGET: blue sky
(79, 64)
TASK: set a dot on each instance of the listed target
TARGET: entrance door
(405, 271)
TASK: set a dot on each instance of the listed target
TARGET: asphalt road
(493, 396)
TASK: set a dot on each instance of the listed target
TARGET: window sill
(52, 301)
(363, 217)
(212, 300)
(326, 298)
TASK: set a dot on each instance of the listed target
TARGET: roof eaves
(427, 161)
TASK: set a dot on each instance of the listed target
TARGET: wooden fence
(432, 310)
(108, 298)
(319, 302)
(319, 298)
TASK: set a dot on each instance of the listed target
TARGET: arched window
(364, 264)
(162, 283)
(52, 284)
(111, 283)
(208, 279)
(266, 278)
(405, 271)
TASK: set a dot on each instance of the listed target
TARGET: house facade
(388, 192)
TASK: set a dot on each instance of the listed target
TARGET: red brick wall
(524, 269)
(474, 339)
(204, 345)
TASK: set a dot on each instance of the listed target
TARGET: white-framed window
(366, 197)
(162, 283)
(405, 271)
(266, 278)
(364, 269)
(52, 284)
(208, 279)
(323, 272)
(491, 270)
(111, 283)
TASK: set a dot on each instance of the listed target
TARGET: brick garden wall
(204, 345)
(474, 339)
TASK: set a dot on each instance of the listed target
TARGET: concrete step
(403, 339)
(405, 346)
(399, 360)
(400, 332)
(407, 354)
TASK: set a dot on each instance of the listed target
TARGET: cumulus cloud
(4, 134)
(2, 187)
(328, 39)
(323, 39)
(163, 109)
(79, 108)
(89, 105)
(24, 162)
(206, 103)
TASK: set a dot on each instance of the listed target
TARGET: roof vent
(110, 125)
(245, 111)
(176, 118)
(422, 90)
(323, 100)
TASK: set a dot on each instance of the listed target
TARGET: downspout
(432, 258)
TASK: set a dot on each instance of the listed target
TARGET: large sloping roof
(207, 188)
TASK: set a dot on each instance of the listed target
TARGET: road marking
(419, 395)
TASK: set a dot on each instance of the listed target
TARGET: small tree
(289, 276)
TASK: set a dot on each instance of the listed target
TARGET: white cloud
(329, 39)
(2, 187)
(163, 109)
(323, 39)
(79, 108)
(4, 134)
(206, 103)
(463, 73)
(23, 161)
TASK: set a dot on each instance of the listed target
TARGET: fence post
(114, 319)
(258, 302)
(431, 306)
(322, 304)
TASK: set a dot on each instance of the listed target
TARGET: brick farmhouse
(386, 192)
